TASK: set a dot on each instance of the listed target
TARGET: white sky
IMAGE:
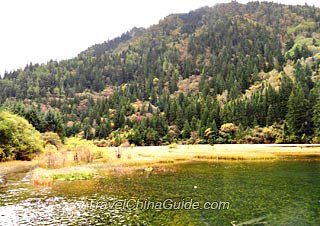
(39, 30)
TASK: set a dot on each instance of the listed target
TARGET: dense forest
(232, 73)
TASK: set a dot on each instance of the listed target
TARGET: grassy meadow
(80, 159)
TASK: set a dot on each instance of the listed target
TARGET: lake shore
(200, 152)
(159, 154)
(16, 166)
(124, 160)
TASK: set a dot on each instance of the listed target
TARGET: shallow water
(259, 193)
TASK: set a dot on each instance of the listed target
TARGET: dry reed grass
(46, 177)
(136, 158)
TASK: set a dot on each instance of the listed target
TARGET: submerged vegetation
(267, 188)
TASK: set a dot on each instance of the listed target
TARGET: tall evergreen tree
(54, 122)
(284, 93)
(298, 117)
(271, 115)
(316, 112)
(35, 118)
(186, 131)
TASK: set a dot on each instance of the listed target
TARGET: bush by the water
(52, 139)
(18, 138)
(84, 154)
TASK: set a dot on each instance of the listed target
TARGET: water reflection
(62, 211)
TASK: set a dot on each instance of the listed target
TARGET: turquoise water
(258, 193)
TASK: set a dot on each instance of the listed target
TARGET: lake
(219, 193)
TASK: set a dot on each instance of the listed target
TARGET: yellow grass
(13, 166)
(162, 154)
(159, 157)
(45, 177)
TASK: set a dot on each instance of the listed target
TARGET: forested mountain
(231, 73)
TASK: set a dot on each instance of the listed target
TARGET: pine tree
(194, 122)
(179, 119)
(54, 122)
(298, 117)
(271, 115)
(35, 118)
(87, 129)
(120, 118)
(284, 93)
(186, 131)
(316, 114)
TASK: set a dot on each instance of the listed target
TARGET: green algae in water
(263, 193)
(260, 193)
(73, 176)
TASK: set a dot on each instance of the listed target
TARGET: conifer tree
(271, 115)
(54, 122)
(298, 117)
(284, 93)
(186, 131)
(316, 113)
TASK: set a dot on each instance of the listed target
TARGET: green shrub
(173, 145)
(316, 140)
(98, 154)
(263, 135)
(18, 138)
(220, 140)
(52, 138)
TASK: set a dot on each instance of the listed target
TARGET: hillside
(232, 73)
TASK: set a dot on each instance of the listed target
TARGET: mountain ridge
(191, 73)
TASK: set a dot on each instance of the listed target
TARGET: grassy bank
(16, 166)
(159, 154)
(123, 160)
(46, 177)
